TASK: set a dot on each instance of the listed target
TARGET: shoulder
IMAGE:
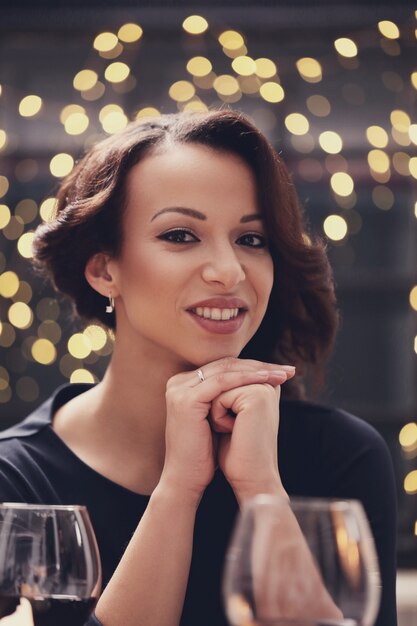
(42, 416)
(328, 426)
(25, 446)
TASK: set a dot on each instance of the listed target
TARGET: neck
(131, 396)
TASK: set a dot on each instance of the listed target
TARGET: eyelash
(176, 236)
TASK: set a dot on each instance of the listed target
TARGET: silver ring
(201, 376)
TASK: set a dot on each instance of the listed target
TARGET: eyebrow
(200, 216)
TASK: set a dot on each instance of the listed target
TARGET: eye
(178, 235)
(252, 240)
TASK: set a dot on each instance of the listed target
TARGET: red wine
(53, 610)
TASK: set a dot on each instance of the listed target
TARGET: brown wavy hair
(301, 319)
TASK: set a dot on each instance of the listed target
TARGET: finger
(225, 381)
(227, 364)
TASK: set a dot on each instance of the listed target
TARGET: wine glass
(301, 563)
(50, 571)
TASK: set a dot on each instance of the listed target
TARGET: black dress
(323, 452)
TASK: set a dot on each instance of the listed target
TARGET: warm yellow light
(346, 47)
(96, 335)
(9, 284)
(382, 197)
(297, 124)
(412, 131)
(68, 110)
(272, 92)
(107, 109)
(413, 79)
(309, 69)
(388, 29)
(85, 79)
(47, 209)
(377, 136)
(4, 215)
(130, 32)
(148, 112)
(231, 39)
(104, 42)
(195, 24)
(412, 166)
(79, 346)
(413, 297)
(61, 164)
(199, 66)
(335, 227)
(331, 142)
(81, 376)
(3, 139)
(4, 186)
(410, 482)
(94, 93)
(378, 161)
(76, 124)
(265, 68)
(20, 315)
(342, 184)
(195, 105)
(30, 106)
(43, 351)
(226, 85)
(400, 120)
(181, 91)
(114, 121)
(116, 72)
(24, 245)
(408, 435)
(244, 65)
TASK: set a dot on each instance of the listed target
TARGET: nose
(223, 267)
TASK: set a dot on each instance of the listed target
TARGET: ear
(98, 275)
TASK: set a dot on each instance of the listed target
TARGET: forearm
(149, 584)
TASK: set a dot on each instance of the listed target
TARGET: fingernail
(288, 368)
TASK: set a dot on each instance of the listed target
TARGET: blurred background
(332, 84)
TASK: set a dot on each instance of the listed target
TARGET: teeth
(215, 313)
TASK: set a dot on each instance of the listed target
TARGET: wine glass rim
(42, 507)
(300, 501)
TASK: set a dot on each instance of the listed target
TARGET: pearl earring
(110, 306)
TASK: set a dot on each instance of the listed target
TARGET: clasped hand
(231, 419)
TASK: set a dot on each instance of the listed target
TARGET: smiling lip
(234, 309)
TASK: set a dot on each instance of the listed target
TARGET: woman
(185, 235)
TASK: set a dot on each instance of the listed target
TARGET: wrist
(247, 491)
(170, 490)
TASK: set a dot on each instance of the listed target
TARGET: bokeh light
(130, 32)
(335, 227)
(61, 164)
(106, 41)
(346, 47)
(309, 69)
(30, 106)
(195, 25)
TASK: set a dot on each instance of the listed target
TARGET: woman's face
(195, 274)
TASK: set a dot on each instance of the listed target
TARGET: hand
(190, 451)
(247, 447)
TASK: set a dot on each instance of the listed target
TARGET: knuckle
(227, 362)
